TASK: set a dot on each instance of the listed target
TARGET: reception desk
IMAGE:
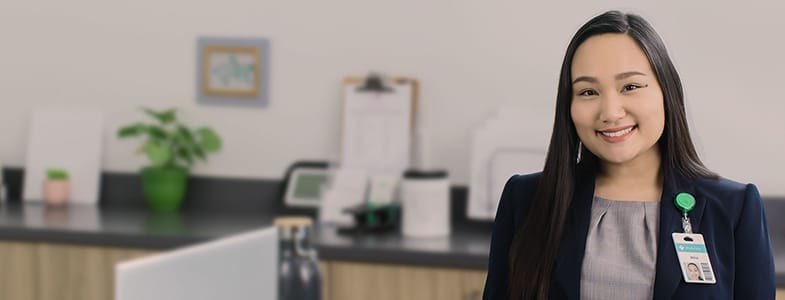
(70, 253)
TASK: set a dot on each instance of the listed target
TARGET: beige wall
(471, 57)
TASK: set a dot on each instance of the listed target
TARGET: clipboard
(378, 119)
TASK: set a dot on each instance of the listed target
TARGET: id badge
(693, 258)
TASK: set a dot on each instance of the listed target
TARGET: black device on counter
(303, 184)
(372, 218)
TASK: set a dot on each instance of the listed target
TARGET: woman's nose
(611, 109)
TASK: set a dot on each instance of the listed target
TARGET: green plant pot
(164, 188)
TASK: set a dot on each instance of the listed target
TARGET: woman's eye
(631, 87)
(587, 93)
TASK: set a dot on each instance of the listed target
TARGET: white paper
(377, 129)
(421, 149)
(66, 140)
(347, 188)
(383, 189)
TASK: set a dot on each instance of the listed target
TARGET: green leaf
(130, 130)
(185, 155)
(171, 143)
(200, 153)
(158, 132)
(211, 142)
(158, 153)
(186, 134)
(165, 117)
(185, 139)
(56, 174)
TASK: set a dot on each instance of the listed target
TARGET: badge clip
(690, 247)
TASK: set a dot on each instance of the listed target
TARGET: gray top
(621, 250)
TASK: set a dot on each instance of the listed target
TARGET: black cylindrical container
(298, 273)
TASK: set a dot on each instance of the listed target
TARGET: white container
(425, 197)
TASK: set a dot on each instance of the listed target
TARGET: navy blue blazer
(728, 214)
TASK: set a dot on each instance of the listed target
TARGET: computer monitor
(242, 266)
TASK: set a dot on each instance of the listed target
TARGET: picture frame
(232, 71)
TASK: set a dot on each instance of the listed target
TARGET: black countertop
(466, 247)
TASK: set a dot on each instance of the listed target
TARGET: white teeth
(617, 133)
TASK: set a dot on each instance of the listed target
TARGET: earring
(580, 150)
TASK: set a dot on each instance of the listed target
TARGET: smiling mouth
(618, 133)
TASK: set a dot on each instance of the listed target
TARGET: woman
(598, 221)
(693, 273)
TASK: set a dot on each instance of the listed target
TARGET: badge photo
(693, 258)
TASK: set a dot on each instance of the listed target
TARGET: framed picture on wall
(232, 71)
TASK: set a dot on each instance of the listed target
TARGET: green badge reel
(685, 203)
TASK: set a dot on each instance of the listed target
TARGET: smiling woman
(618, 112)
(608, 217)
(610, 106)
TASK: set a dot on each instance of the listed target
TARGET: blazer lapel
(567, 268)
(668, 272)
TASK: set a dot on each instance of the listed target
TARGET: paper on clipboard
(377, 129)
(347, 188)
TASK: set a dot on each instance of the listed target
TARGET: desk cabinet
(42, 271)
(79, 272)
(17, 270)
(350, 281)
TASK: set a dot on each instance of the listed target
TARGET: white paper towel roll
(426, 207)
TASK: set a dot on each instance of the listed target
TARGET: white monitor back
(239, 267)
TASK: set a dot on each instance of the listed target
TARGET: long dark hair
(531, 267)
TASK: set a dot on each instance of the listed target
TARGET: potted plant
(56, 188)
(172, 148)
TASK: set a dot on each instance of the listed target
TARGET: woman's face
(693, 270)
(617, 103)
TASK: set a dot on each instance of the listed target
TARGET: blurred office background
(471, 58)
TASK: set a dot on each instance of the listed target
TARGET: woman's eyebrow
(619, 76)
(624, 75)
(585, 78)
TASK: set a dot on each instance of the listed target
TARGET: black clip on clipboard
(374, 83)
